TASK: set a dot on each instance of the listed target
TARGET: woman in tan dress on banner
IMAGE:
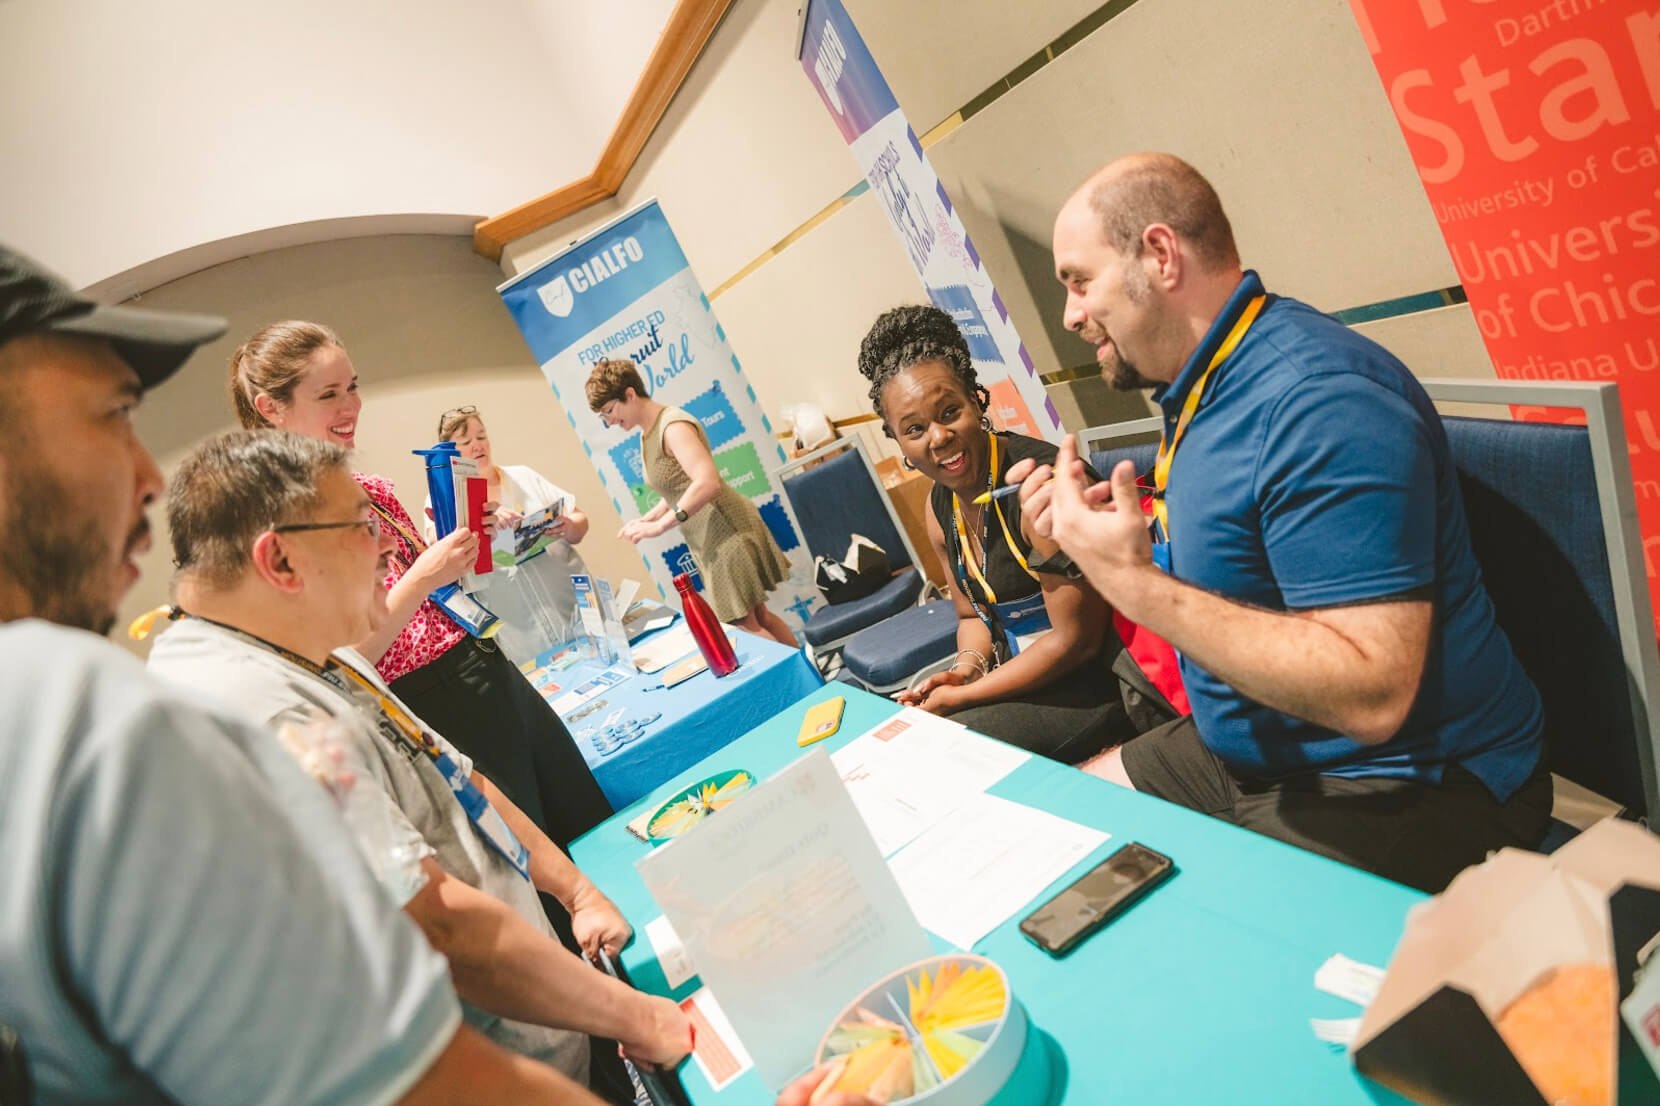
(734, 551)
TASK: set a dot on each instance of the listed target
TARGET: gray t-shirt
(178, 921)
(413, 798)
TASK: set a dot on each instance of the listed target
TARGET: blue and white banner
(864, 108)
(626, 291)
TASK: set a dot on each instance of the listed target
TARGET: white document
(574, 698)
(624, 594)
(664, 649)
(978, 867)
(894, 812)
(1349, 979)
(670, 953)
(957, 756)
(785, 906)
(914, 769)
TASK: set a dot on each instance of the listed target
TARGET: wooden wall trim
(688, 30)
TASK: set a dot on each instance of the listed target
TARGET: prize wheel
(691, 806)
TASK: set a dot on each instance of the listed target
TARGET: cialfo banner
(1535, 128)
(887, 151)
(626, 292)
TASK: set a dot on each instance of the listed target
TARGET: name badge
(483, 816)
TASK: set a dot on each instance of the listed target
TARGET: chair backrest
(833, 493)
(1107, 445)
(1553, 519)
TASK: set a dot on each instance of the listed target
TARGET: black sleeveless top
(1001, 569)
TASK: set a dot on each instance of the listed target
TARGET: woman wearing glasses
(734, 551)
(296, 376)
(533, 597)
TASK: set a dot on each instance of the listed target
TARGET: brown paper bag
(1514, 942)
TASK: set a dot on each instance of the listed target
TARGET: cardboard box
(1501, 928)
(908, 492)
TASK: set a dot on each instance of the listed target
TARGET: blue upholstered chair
(1553, 519)
(833, 493)
(1136, 440)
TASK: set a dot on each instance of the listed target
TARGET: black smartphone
(1096, 897)
(660, 1086)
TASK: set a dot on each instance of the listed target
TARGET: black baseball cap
(34, 300)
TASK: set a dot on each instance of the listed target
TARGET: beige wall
(219, 120)
(1286, 116)
(426, 332)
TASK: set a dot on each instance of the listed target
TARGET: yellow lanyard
(411, 730)
(415, 543)
(962, 533)
(1168, 444)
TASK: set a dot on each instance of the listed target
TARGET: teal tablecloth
(1201, 993)
(697, 717)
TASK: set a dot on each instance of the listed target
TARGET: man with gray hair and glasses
(178, 920)
(280, 560)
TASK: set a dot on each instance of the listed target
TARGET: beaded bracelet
(980, 666)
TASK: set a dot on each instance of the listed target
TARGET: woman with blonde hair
(534, 598)
(732, 547)
(296, 376)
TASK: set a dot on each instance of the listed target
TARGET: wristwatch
(679, 515)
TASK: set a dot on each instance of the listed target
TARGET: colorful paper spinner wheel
(697, 802)
(945, 1031)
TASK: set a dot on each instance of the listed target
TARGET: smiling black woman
(1034, 646)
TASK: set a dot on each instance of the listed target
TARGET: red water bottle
(706, 629)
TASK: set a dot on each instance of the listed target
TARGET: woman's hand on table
(938, 693)
(447, 560)
(664, 1036)
(596, 922)
(813, 1089)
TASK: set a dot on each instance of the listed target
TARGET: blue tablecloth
(1201, 993)
(698, 716)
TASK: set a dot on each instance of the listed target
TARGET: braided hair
(906, 336)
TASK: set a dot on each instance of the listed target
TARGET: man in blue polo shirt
(1309, 556)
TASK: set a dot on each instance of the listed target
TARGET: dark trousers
(478, 700)
(1103, 702)
(1419, 834)
(475, 697)
(1069, 720)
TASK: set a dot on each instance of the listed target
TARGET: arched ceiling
(143, 141)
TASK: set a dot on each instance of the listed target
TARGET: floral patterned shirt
(429, 633)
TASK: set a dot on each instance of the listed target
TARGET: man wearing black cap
(178, 920)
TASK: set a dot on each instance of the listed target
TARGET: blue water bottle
(441, 484)
(467, 612)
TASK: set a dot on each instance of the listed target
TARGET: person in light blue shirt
(1308, 556)
(180, 921)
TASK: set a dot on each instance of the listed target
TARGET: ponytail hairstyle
(272, 362)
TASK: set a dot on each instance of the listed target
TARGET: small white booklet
(786, 908)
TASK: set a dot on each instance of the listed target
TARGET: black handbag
(862, 572)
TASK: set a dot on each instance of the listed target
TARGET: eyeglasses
(370, 526)
(448, 418)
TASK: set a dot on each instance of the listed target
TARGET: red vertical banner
(1535, 128)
